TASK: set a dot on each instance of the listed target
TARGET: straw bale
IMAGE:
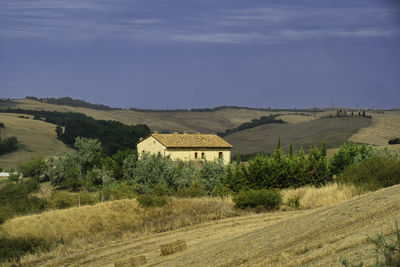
(174, 247)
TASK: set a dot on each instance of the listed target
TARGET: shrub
(347, 155)
(34, 168)
(372, 174)
(115, 191)
(15, 248)
(293, 202)
(394, 141)
(9, 145)
(196, 189)
(264, 199)
(17, 199)
(152, 200)
(64, 199)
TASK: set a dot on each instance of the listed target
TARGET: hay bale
(174, 247)
(131, 262)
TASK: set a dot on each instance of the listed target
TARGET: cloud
(145, 20)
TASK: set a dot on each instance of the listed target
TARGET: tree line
(113, 135)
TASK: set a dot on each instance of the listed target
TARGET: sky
(161, 54)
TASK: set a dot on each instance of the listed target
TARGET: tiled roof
(191, 140)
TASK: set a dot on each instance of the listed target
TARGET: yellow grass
(312, 197)
(384, 127)
(38, 137)
(109, 220)
(292, 118)
(316, 237)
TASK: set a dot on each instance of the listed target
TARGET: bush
(196, 189)
(293, 202)
(115, 191)
(394, 141)
(264, 199)
(372, 174)
(16, 199)
(347, 155)
(64, 199)
(9, 145)
(15, 248)
(152, 200)
(35, 168)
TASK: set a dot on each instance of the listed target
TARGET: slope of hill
(38, 138)
(192, 121)
(319, 237)
(384, 127)
(332, 131)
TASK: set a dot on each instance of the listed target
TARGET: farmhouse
(186, 146)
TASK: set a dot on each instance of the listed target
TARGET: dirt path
(309, 238)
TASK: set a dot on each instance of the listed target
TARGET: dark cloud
(185, 53)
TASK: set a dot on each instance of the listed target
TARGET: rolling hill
(38, 138)
(318, 237)
(333, 131)
(302, 129)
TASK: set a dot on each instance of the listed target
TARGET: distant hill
(67, 101)
(303, 128)
(333, 131)
(37, 137)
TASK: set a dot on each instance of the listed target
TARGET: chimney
(155, 132)
(141, 139)
(184, 132)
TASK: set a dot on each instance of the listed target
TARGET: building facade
(186, 146)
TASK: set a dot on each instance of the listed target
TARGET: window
(195, 155)
(202, 155)
(143, 151)
(220, 155)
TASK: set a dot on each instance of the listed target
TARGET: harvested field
(384, 127)
(38, 137)
(319, 237)
(333, 131)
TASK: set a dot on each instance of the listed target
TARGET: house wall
(189, 153)
(152, 146)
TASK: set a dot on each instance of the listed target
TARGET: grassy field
(384, 126)
(37, 137)
(332, 131)
(320, 235)
(301, 130)
(205, 122)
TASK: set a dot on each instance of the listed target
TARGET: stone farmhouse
(186, 146)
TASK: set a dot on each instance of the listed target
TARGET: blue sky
(203, 53)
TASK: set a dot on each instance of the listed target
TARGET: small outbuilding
(186, 146)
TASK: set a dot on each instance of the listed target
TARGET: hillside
(37, 137)
(192, 121)
(319, 237)
(301, 130)
(332, 131)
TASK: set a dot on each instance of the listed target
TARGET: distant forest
(71, 102)
(254, 123)
(113, 135)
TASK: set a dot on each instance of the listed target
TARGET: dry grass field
(38, 137)
(384, 127)
(308, 237)
(205, 122)
(332, 131)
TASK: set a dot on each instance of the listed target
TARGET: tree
(59, 131)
